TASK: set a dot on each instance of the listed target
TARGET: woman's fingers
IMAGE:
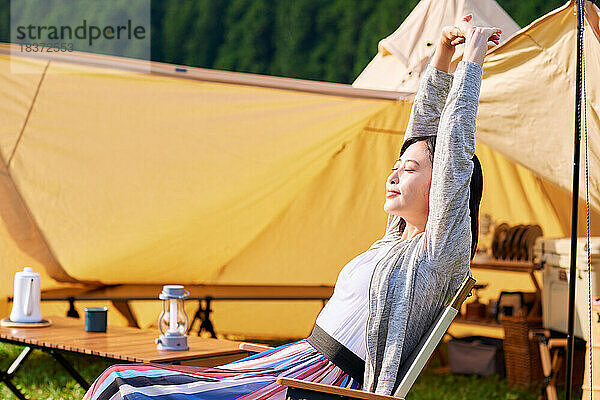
(451, 36)
(461, 40)
(455, 31)
(457, 41)
(456, 38)
(491, 32)
(466, 28)
(495, 38)
(481, 35)
(465, 23)
(465, 31)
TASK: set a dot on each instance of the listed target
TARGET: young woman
(387, 297)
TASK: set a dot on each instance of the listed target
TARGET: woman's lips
(391, 194)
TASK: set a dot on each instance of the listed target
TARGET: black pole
(575, 209)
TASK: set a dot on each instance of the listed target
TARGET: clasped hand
(476, 38)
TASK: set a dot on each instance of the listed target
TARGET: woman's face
(407, 187)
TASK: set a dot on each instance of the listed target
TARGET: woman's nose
(393, 178)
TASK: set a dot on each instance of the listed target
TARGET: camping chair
(551, 364)
(409, 371)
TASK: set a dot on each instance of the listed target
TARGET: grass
(454, 387)
(41, 377)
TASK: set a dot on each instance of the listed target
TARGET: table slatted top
(120, 343)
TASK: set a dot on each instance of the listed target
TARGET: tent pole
(574, 214)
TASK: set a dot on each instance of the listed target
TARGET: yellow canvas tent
(114, 175)
(528, 98)
(525, 120)
(527, 111)
(111, 174)
(526, 80)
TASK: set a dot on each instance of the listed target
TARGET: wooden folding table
(117, 343)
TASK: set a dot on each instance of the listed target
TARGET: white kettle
(26, 301)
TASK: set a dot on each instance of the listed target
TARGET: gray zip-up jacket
(417, 277)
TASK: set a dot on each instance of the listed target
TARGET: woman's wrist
(443, 56)
(445, 44)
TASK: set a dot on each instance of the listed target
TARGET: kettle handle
(28, 305)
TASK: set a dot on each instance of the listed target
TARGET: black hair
(475, 186)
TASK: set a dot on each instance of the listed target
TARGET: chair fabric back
(415, 363)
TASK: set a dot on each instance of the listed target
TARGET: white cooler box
(555, 293)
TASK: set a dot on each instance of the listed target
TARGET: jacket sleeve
(428, 103)
(424, 118)
(448, 228)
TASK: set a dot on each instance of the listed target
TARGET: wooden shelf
(483, 261)
(491, 263)
(484, 322)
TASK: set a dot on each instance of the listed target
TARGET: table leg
(203, 315)
(547, 365)
(15, 390)
(207, 324)
(557, 361)
(72, 312)
(12, 370)
(123, 307)
(58, 357)
(195, 317)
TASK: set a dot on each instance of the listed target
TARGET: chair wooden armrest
(253, 347)
(334, 391)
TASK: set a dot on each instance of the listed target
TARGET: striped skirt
(252, 378)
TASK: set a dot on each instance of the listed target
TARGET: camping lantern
(173, 321)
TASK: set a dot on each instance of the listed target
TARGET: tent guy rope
(587, 209)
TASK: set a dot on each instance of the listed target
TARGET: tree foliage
(329, 40)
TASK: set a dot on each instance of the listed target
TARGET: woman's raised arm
(448, 232)
(429, 101)
(435, 84)
(433, 89)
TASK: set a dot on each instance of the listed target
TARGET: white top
(344, 317)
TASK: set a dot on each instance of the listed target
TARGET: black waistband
(337, 353)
